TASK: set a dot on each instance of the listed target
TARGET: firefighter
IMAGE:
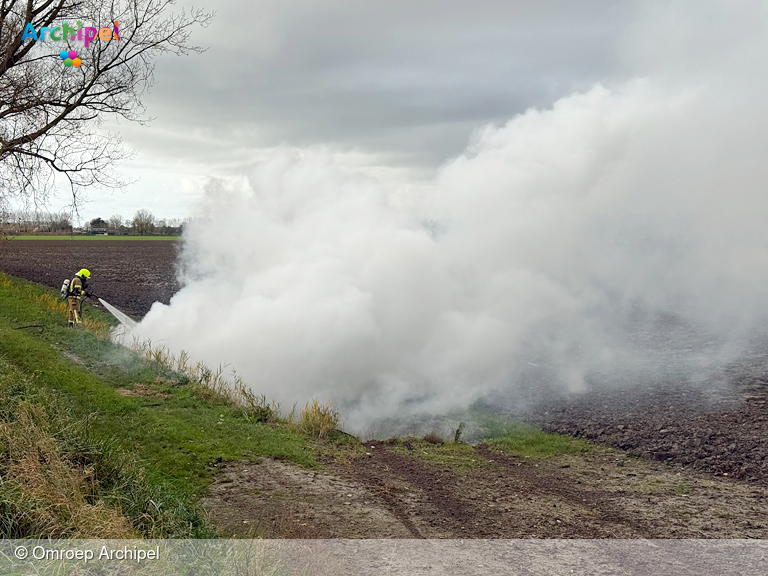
(78, 288)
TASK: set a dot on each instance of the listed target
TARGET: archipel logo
(70, 58)
(66, 32)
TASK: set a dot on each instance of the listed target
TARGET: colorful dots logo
(70, 58)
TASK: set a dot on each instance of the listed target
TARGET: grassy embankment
(100, 441)
(96, 441)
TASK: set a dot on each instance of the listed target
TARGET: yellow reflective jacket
(76, 287)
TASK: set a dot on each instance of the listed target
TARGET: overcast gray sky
(387, 83)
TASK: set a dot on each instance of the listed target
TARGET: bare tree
(61, 222)
(50, 113)
(115, 222)
(22, 221)
(143, 222)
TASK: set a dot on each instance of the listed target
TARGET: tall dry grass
(318, 420)
(43, 491)
(59, 481)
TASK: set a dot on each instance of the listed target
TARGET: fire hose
(40, 326)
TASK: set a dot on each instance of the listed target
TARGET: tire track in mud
(420, 496)
(447, 491)
(503, 498)
(549, 483)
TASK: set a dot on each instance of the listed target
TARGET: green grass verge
(175, 430)
(523, 440)
(59, 479)
(88, 237)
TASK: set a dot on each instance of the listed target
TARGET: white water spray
(123, 318)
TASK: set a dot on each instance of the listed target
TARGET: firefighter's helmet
(84, 273)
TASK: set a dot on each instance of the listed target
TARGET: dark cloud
(407, 78)
(403, 83)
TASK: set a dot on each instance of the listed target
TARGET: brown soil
(128, 274)
(274, 498)
(392, 492)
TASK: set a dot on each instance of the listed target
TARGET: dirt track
(131, 274)
(391, 492)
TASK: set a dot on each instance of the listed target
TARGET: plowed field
(129, 274)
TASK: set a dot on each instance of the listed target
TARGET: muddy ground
(426, 492)
(131, 274)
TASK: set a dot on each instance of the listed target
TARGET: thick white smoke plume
(615, 234)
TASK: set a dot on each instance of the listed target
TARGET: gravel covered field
(129, 274)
